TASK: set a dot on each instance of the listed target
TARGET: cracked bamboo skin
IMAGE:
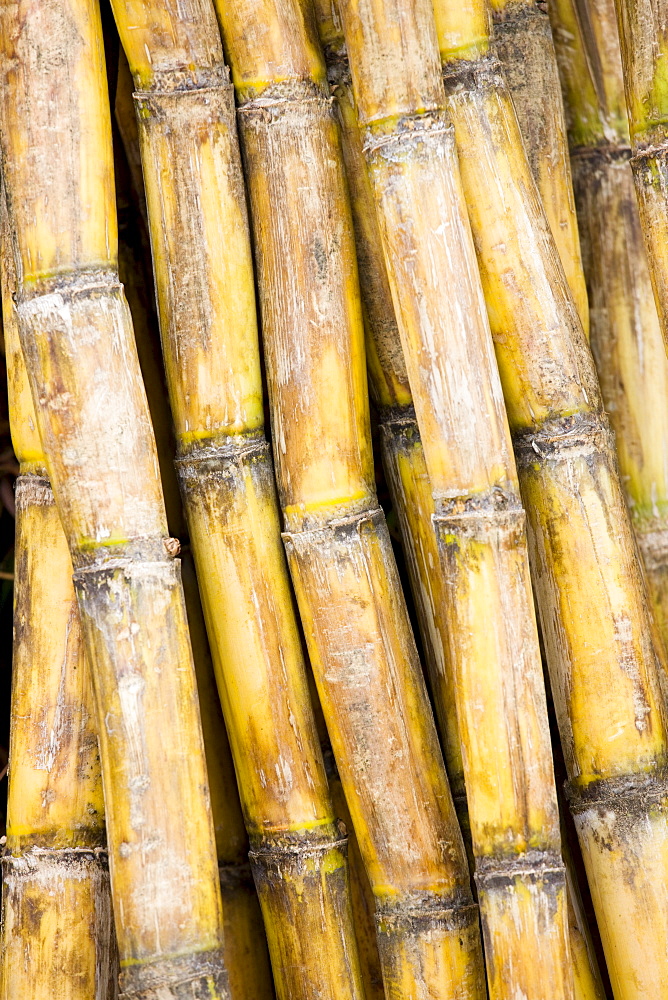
(57, 928)
(363, 655)
(603, 650)
(402, 452)
(643, 34)
(76, 335)
(500, 697)
(204, 279)
(626, 336)
(524, 45)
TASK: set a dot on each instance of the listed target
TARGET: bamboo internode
(76, 335)
(347, 586)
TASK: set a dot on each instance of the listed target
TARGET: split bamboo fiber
(625, 332)
(523, 42)
(603, 650)
(402, 451)
(76, 335)
(643, 33)
(57, 927)
(204, 279)
(449, 356)
(357, 629)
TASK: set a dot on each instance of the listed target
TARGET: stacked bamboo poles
(244, 942)
(643, 34)
(603, 650)
(402, 451)
(76, 335)
(57, 929)
(521, 884)
(357, 629)
(204, 280)
(626, 335)
(523, 42)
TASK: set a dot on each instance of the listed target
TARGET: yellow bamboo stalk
(57, 936)
(643, 34)
(244, 942)
(357, 629)
(402, 451)
(626, 335)
(603, 650)
(523, 42)
(204, 280)
(501, 707)
(93, 419)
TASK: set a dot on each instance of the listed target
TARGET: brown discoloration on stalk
(625, 332)
(403, 455)
(347, 588)
(204, 278)
(76, 335)
(502, 719)
(603, 652)
(523, 41)
(57, 933)
(643, 33)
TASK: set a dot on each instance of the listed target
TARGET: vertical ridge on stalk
(91, 408)
(206, 302)
(348, 592)
(603, 651)
(523, 42)
(55, 861)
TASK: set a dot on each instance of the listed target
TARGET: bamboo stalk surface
(204, 281)
(348, 592)
(76, 335)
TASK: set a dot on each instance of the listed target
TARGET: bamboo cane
(643, 34)
(603, 651)
(402, 451)
(93, 419)
(357, 629)
(245, 952)
(405, 467)
(501, 707)
(57, 929)
(524, 45)
(626, 335)
(204, 279)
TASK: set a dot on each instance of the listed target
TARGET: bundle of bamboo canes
(391, 181)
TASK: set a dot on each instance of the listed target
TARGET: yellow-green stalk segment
(57, 936)
(524, 45)
(76, 336)
(501, 710)
(357, 629)
(402, 451)
(643, 34)
(626, 336)
(603, 649)
(204, 280)
(244, 943)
